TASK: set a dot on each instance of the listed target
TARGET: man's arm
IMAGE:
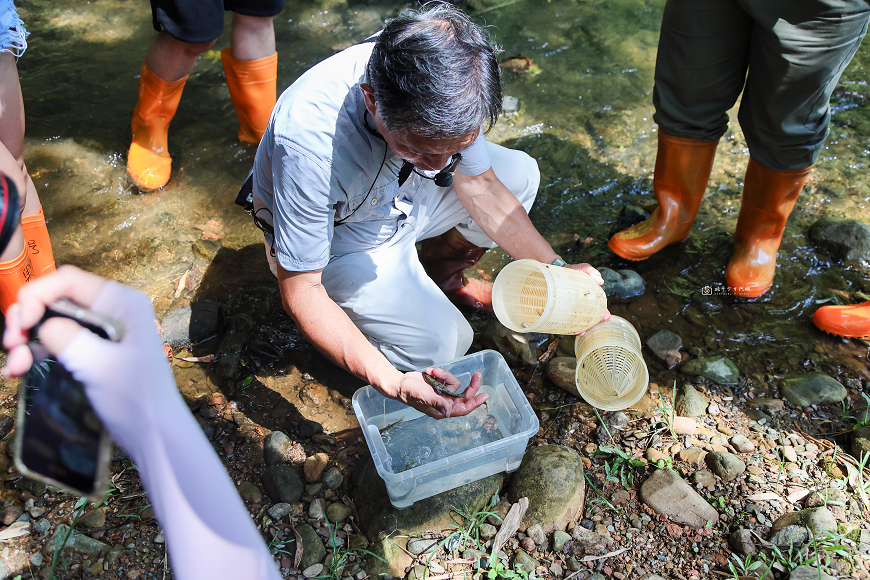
(329, 329)
(503, 218)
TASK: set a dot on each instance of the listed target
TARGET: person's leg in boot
(768, 198)
(251, 70)
(700, 71)
(852, 321)
(458, 242)
(445, 259)
(164, 73)
(15, 267)
(682, 170)
(12, 138)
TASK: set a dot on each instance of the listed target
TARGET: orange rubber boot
(253, 85)
(682, 170)
(851, 321)
(445, 258)
(38, 243)
(768, 198)
(148, 161)
(13, 275)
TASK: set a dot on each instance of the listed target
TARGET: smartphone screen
(61, 441)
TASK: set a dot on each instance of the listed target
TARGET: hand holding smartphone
(60, 440)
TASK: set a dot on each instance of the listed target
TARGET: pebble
(313, 571)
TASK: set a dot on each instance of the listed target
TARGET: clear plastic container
(529, 296)
(418, 457)
(611, 373)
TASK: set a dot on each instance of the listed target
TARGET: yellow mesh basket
(529, 296)
(611, 373)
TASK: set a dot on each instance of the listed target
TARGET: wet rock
(283, 483)
(333, 478)
(667, 493)
(313, 550)
(551, 476)
(192, 323)
(249, 492)
(524, 562)
(666, 346)
(562, 371)
(703, 478)
(93, 519)
(688, 402)
(314, 467)
(769, 406)
(741, 542)
(337, 512)
(10, 514)
(813, 389)
(809, 573)
(692, 455)
(228, 358)
(742, 444)
(423, 546)
(818, 520)
(513, 346)
(279, 511)
(41, 526)
(308, 428)
(726, 465)
(791, 535)
(77, 542)
(559, 540)
(622, 284)
(758, 415)
(536, 533)
(6, 425)
(629, 216)
(206, 249)
(861, 441)
(278, 448)
(847, 240)
(718, 369)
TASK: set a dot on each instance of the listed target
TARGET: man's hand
(596, 275)
(414, 391)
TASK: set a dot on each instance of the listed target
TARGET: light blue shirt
(316, 164)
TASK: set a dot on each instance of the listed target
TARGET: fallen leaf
(181, 284)
(766, 496)
(200, 359)
(511, 524)
(798, 495)
(588, 240)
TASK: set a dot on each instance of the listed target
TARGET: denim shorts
(13, 37)
(203, 20)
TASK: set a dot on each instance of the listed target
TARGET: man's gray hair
(435, 72)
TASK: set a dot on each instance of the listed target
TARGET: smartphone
(60, 440)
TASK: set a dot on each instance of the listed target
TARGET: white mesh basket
(529, 296)
(611, 373)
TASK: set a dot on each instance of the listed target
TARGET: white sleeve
(208, 530)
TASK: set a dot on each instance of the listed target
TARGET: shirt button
(375, 201)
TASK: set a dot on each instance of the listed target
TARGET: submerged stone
(666, 346)
(842, 240)
(718, 369)
(193, 323)
(622, 284)
(813, 389)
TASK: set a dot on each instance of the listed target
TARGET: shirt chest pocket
(374, 205)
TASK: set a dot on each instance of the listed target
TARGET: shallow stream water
(586, 117)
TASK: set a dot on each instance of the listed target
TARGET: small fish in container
(418, 457)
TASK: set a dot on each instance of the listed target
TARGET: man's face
(425, 153)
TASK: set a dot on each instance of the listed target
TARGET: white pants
(388, 295)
